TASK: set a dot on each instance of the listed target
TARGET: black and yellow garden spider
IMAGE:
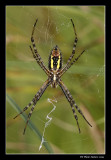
(54, 74)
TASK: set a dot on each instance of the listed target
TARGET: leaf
(31, 125)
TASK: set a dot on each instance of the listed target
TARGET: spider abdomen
(55, 59)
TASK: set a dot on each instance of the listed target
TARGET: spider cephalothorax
(54, 74)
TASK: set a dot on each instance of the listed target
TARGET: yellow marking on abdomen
(51, 62)
(58, 63)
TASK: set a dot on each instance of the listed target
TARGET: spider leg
(68, 96)
(24, 109)
(29, 115)
(72, 103)
(39, 61)
(69, 65)
(34, 101)
(75, 43)
(74, 46)
(35, 52)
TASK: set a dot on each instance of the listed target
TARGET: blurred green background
(85, 79)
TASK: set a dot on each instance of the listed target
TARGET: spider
(54, 73)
